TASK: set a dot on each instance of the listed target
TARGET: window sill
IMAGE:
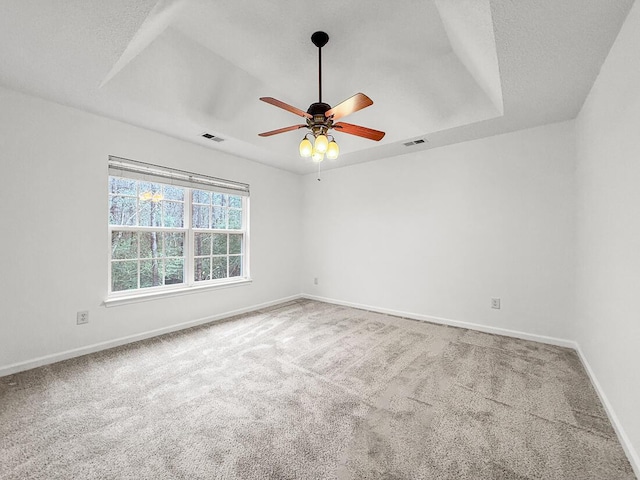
(144, 297)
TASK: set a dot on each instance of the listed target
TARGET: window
(171, 230)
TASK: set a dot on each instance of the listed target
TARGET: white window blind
(124, 167)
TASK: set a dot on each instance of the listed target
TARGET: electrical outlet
(495, 303)
(82, 317)
(315, 281)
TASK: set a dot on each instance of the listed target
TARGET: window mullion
(110, 233)
(245, 237)
(138, 259)
(189, 251)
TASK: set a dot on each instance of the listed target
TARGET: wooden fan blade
(350, 105)
(285, 106)
(359, 131)
(281, 130)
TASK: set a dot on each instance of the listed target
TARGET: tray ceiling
(443, 70)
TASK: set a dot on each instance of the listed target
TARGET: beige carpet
(309, 390)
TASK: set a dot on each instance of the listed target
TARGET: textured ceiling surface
(443, 70)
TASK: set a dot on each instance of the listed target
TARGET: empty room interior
(336, 240)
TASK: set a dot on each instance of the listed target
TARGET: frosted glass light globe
(321, 144)
(305, 148)
(333, 150)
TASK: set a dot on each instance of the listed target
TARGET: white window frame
(133, 170)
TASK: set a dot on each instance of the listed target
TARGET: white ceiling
(444, 70)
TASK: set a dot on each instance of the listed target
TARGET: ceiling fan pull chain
(318, 171)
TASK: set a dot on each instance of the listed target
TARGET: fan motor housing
(318, 109)
(319, 123)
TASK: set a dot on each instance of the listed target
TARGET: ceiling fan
(321, 117)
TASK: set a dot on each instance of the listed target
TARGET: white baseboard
(96, 347)
(632, 455)
(454, 323)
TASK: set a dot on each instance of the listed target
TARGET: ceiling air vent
(212, 137)
(415, 142)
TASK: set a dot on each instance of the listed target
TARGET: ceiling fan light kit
(321, 118)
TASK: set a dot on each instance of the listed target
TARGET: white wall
(440, 232)
(53, 212)
(608, 254)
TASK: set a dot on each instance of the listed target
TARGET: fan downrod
(320, 39)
